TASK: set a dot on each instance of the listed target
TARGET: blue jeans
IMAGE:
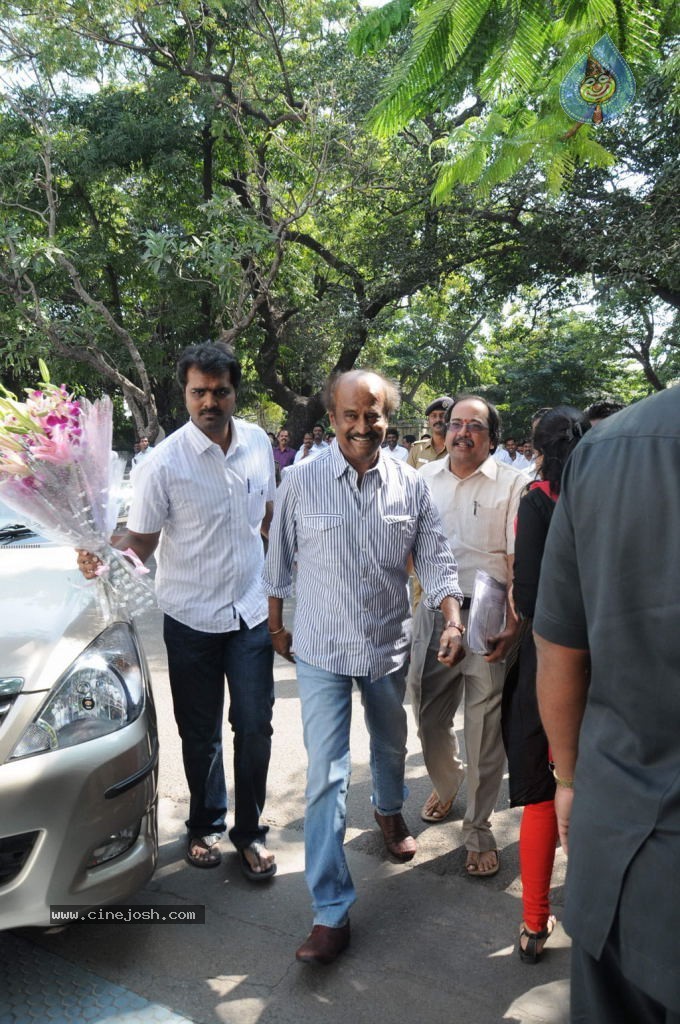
(326, 699)
(198, 663)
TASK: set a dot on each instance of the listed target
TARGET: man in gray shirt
(352, 516)
(608, 646)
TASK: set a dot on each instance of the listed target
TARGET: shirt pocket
(321, 534)
(320, 522)
(395, 539)
(257, 499)
(485, 529)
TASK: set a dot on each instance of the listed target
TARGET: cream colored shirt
(478, 515)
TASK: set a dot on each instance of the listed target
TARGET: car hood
(48, 613)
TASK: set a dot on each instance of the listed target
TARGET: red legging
(537, 842)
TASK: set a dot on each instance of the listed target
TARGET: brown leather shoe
(398, 840)
(323, 945)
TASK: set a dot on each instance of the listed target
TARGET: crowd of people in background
(400, 529)
(519, 453)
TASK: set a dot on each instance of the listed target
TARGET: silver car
(78, 739)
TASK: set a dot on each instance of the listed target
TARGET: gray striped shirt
(352, 544)
(210, 508)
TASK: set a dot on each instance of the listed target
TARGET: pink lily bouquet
(57, 470)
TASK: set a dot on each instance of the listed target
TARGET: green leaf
(376, 26)
(442, 32)
(44, 372)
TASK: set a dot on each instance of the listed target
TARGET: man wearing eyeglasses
(477, 499)
(207, 495)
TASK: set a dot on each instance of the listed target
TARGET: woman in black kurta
(531, 782)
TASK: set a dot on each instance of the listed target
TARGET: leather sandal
(531, 954)
(436, 810)
(472, 864)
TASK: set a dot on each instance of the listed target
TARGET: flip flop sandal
(473, 868)
(255, 876)
(435, 810)
(210, 856)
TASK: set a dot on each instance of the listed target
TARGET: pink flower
(12, 464)
(53, 449)
(52, 420)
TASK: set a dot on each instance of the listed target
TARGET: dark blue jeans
(198, 663)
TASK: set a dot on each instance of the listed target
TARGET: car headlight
(101, 692)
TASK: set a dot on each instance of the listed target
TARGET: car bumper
(58, 807)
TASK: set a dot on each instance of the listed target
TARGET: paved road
(429, 944)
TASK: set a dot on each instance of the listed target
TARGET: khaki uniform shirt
(422, 452)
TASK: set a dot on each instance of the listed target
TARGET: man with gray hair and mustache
(352, 517)
(477, 498)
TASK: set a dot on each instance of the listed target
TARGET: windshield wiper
(15, 531)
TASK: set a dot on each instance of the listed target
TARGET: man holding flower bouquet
(203, 499)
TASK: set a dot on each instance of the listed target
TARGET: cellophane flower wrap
(59, 473)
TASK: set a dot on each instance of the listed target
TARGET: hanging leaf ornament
(600, 85)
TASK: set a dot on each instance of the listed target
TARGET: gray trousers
(436, 692)
(602, 994)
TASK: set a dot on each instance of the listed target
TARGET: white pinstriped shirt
(352, 544)
(209, 507)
